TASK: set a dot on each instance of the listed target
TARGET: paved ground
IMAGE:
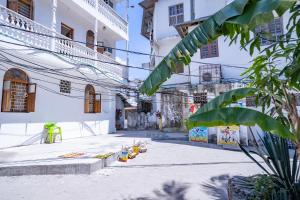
(168, 171)
(39, 154)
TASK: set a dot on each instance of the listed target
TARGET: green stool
(53, 130)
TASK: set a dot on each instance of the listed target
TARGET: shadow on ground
(217, 187)
(169, 191)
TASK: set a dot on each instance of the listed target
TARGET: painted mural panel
(228, 135)
(199, 134)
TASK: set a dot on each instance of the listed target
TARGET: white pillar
(95, 34)
(53, 24)
(95, 40)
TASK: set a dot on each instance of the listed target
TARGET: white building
(215, 68)
(56, 66)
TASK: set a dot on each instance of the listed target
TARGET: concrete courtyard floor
(168, 171)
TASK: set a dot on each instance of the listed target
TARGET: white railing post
(53, 24)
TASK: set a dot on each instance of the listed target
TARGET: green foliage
(227, 98)
(264, 187)
(275, 153)
(239, 116)
(234, 20)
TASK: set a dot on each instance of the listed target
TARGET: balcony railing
(34, 34)
(108, 12)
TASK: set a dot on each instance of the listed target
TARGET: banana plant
(215, 113)
(235, 19)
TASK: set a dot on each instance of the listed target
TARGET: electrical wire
(118, 49)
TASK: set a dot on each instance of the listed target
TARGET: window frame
(29, 99)
(67, 27)
(210, 53)
(14, 5)
(175, 15)
(264, 40)
(90, 35)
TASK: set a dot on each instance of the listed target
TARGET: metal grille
(209, 74)
(200, 98)
(274, 28)
(65, 86)
(18, 94)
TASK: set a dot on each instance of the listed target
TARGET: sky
(137, 42)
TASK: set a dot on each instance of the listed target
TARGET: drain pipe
(192, 2)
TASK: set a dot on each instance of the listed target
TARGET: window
(92, 101)
(200, 98)
(251, 101)
(18, 94)
(108, 49)
(297, 98)
(65, 86)
(90, 39)
(271, 31)
(67, 31)
(176, 15)
(179, 68)
(210, 50)
(23, 7)
(110, 3)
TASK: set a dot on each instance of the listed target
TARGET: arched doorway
(89, 100)
(90, 39)
(15, 91)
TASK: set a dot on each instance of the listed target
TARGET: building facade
(58, 65)
(215, 68)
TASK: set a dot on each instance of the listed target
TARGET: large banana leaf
(227, 98)
(239, 116)
(244, 13)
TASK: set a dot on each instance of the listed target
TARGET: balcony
(105, 14)
(36, 35)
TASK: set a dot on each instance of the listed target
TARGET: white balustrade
(111, 14)
(105, 10)
(34, 34)
(91, 2)
(24, 29)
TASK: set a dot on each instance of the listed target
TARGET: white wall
(166, 37)
(204, 8)
(66, 111)
(161, 17)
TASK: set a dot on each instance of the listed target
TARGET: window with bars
(200, 98)
(210, 50)
(67, 31)
(65, 86)
(270, 32)
(251, 101)
(18, 93)
(176, 14)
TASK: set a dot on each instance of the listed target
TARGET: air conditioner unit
(210, 74)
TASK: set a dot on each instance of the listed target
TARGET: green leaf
(234, 19)
(227, 98)
(239, 116)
